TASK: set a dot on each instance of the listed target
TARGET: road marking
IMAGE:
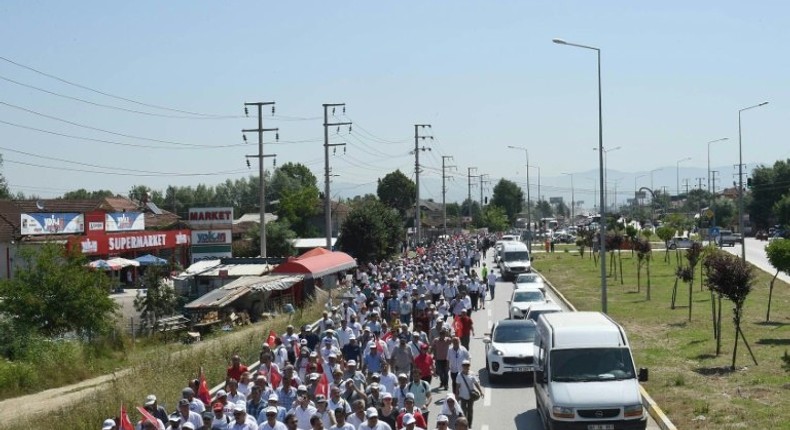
(484, 427)
(490, 324)
(487, 400)
(489, 312)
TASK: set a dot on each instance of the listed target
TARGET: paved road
(755, 254)
(509, 404)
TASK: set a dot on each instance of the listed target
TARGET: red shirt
(417, 416)
(424, 362)
(466, 325)
(235, 372)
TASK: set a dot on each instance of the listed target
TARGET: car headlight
(497, 352)
(632, 411)
(515, 310)
(562, 412)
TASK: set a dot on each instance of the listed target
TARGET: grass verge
(165, 371)
(693, 386)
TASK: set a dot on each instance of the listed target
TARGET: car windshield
(533, 315)
(523, 279)
(591, 364)
(528, 296)
(514, 333)
(517, 256)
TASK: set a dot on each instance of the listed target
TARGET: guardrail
(652, 407)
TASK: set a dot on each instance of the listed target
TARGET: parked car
(761, 235)
(530, 280)
(510, 348)
(680, 242)
(728, 238)
(521, 300)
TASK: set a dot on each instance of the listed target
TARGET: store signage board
(211, 237)
(124, 221)
(52, 223)
(105, 244)
(210, 216)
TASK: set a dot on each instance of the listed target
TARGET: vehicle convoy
(514, 259)
(509, 348)
(585, 376)
(522, 299)
(530, 280)
(537, 309)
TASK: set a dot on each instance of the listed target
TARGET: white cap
(408, 419)
(351, 363)
(188, 425)
(274, 397)
(239, 407)
(150, 400)
(108, 424)
(442, 419)
(466, 362)
(270, 409)
(371, 412)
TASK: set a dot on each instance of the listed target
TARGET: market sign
(106, 244)
(52, 223)
(124, 221)
(200, 256)
(211, 237)
(210, 216)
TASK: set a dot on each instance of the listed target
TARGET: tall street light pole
(677, 174)
(606, 169)
(529, 216)
(636, 189)
(573, 198)
(740, 180)
(709, 144)
(602, 239)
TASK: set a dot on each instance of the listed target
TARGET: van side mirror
(540, 377)
(643, 374)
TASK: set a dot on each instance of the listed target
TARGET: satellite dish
(40, 205)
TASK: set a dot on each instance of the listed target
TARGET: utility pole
(327, 145)
(417, 149)
(713, 174)
(686, 186)
(444, 191)
(482, 181)
(260, 130)
(699, 182)
(469, 188)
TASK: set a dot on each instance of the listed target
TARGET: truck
(585, 375)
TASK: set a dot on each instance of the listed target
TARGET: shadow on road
(510, 381)
(528, 420)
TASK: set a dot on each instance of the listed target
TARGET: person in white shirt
(456, 355)
(358, 417)
(271, 422)
(388, 379)
(242, 421)
(373, 422)
(303, 410)
(340, 418)
(234, 395)
(186, 415)
(467, 382)
(344, 333)
(491, 283)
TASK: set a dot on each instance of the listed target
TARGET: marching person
(467, 384)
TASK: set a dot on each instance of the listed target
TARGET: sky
(485, 75)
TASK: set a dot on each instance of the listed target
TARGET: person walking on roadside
(491, 279)
(467, 384)
(456, 355)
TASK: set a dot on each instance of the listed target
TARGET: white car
(522, 299)
(530, 280)
(539, 309)
(510, 348)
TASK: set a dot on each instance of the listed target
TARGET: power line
(227, 172)
(74, 84)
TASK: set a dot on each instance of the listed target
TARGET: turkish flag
(297, 350)
(386, 336)
(147, 416)
(323, 386)
(203, 393)
(270, 339)
(125, 423)
(275, 378)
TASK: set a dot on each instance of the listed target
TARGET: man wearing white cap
(467, 383)
(152, 406)
(241, 421)
(373, 422)
(303, 410)
(270, 421)
(109, 424)
(273, 402)
(442, 422)
(410, 423)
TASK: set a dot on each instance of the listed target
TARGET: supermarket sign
(106, 244)
(210, 216)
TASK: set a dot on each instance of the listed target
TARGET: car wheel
(491, 377)
(673, 246)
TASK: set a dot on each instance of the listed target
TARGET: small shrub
(701, 408)
(786, 362)
(679, 381)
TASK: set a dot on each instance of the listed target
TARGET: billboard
(105, 244)
(52, 223)
(210, 216)
(124, 221)
(211, 237)
(200, 256)
(555, 200)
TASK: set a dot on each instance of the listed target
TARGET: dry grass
(164, 372)
(687, 379)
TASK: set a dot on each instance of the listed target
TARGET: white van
(585, 375)
(514, 259)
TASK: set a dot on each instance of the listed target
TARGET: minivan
(514, 259)
(585, 375)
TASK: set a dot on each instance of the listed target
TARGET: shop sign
(211, 216)
(200, 256)
(124, 221)
(52, 223)
(96, 226)
(211, 237)
(104, 244)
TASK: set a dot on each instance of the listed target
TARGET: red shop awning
(316, 264)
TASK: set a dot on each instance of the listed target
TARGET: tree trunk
(595, 257)
(737, 321)
(674, 293)
(620, 257)
(718, 338)
(770, 294)
(691, 291)
(638, 275)
(713, 314)
(666, 255)
(648, 278)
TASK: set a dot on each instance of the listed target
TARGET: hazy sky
(484, 74)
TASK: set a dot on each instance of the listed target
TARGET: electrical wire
(84, 87)
(227, 172)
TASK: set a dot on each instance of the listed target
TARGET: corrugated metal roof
(233, 291)
(200, 266)
(235, 270)
(312, 242)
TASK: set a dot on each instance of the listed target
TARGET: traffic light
(749, 182)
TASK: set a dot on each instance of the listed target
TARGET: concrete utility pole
(327, 145)
(573, 198)
(713, 174)
(482, 181)
(260, 130)
(444, 191)
(686, 186)
(417, 149)
(469, 177)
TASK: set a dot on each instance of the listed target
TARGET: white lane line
(489, 312)
(490, 324)
(484, 427)
(487, 400)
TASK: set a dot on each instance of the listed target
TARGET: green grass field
(692, 385)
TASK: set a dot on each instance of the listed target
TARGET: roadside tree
(159, 299)
(665, 233)
(778, 252)
(765, 193)
(397, 191)
(372, 231)
(508, 196)
(296, 189)
(494, 218)
(53, 292)
(279, 237)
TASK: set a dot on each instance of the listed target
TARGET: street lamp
(539, 195)
(636, 190)
(677, 174)
(740, 180)
(652, 203)
(602, 239)
(573, 198)
(606, 169)
(529, 217)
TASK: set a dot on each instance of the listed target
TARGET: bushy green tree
(397, 191)
(769, 185)
(508, 196)
(778, 252)
(494, 218)
(372, 231)
(5, 193)
(665, 233)
(53, 292)
(159, 299)
(279, 239)
(83, 194)
(296, 189)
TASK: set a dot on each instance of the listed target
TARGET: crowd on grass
(398, 342)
